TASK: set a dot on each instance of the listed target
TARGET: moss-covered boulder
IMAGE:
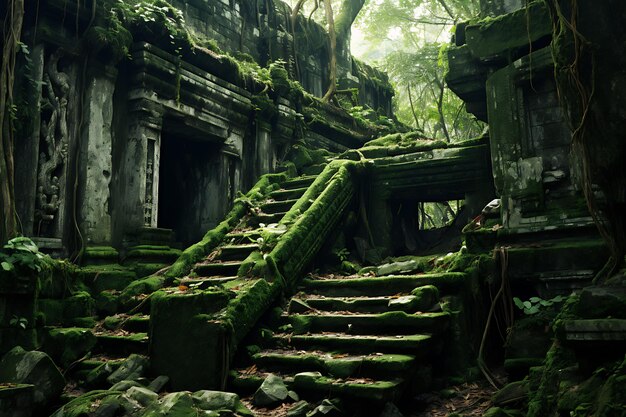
(67, 345)
(21, 367)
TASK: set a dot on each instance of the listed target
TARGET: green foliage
(19, 322)
(21, 253)
(535, 304)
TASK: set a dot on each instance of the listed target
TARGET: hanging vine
(12, 28)
(575, 72)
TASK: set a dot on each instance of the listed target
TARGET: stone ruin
(319, 288)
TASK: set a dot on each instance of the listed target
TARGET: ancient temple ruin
(219, 241)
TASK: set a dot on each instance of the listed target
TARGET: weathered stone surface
(142, 395)
(124, 385)
(16, 400)
(215, 400)
(158, 383)
(427, 296)
(131, 369)
(36, 368)
(299, 409)
(598, 302)
(271, 393)
(177, 404)
(67, 345)
(325, 409)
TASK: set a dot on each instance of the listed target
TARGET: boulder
(177, 404)
(272, 392)
(325, 409)
(158, 383)
(132, 368)
(142, 395)
(21, 367)
(299, 409)
(215, 400)
(427, 296)
(67, 345)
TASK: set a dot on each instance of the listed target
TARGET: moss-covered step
(393, 322)
(380, 304)
(290, 194)
(265, 218)
(414, 344)
(242, 237)
(150, 253)
(377, 286)
(139, 323)
(67, 345)
(205, 282)
(300, 182)
(121, 343)
(278, 206)
(221, 269)
(238, 252)
(337, 365)
(377, 391)
(107, 277)
(315, 385)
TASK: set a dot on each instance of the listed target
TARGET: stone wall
(158, 143)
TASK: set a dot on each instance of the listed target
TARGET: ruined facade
(127, 146)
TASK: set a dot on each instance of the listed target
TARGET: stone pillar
(264, 152)
(137, 179)
(27, 149)
(96, 158)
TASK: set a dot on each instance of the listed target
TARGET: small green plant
(20, 252)
(20, 322)
(342, 254)
(534, 304)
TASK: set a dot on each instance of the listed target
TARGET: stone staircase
(367, 340)
(125, 333)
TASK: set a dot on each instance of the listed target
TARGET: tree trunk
(11, 39)
(442, 118)
(332, 79)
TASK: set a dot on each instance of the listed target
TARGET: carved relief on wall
(54, 139)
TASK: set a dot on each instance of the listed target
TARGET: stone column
(138, 176)
(96, 158)
(27, 149)
(264, 151)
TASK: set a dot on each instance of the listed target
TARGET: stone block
(67, 345)
(21, 367)
(16, 400)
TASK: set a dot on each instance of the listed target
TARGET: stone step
(139, 323)
(300, 182)
(150, 253)
(264, 218)
(378, 304)
(242, 238)
(414, 344)
(292, 194)
(121, 343)
(335, 365)
(278, 206)
(218, 269)
(392, 322)
(204, 283)
(237, 252)
(381, 286)
(315, 385)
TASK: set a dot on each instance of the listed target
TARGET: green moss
(67, 345)
(504, 34)
(83, 405)
(212, 238)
